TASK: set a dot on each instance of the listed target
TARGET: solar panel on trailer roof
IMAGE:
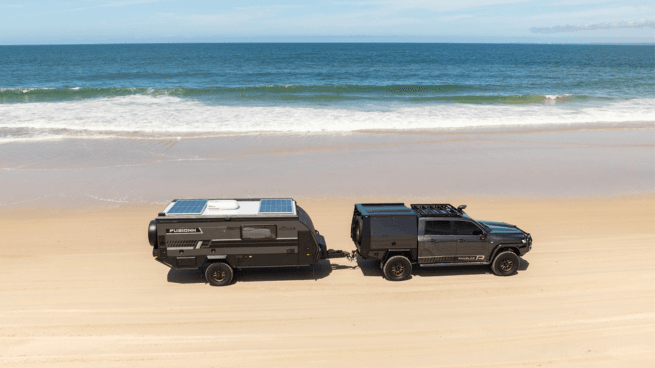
(190, 207)
(276, 206)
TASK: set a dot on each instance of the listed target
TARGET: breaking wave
(147, 116)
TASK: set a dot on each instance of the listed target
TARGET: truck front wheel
(397, 268)
(219, 274)
(505, 264)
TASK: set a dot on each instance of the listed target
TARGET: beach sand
(82, 289)
(79, 286)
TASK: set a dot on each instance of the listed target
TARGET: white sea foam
(148, 116)
(555, 97)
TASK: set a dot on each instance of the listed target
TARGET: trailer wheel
(219, 274)
(505, 264)
(397, 268)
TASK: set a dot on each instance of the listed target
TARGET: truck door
(437, 242)
(470, 248)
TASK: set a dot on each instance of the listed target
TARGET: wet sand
(81, 289)
(601, 161)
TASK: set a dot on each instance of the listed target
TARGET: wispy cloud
(637, 23)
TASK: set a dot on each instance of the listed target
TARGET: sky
(145, 21)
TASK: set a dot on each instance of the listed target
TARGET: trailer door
(260, 246)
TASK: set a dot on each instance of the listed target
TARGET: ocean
(205, 90)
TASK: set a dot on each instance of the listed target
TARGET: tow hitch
(331, 253)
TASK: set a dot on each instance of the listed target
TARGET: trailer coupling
(331, 253)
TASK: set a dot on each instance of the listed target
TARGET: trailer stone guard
(219, 235)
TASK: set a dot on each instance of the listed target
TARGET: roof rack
(427, 210)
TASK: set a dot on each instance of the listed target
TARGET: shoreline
(65, 134)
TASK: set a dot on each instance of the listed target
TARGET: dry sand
(80, 289)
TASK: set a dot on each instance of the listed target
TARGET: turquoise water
(202, 89)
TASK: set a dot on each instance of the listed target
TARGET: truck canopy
(384, 209)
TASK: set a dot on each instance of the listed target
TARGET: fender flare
(501, 247)
(398, 252)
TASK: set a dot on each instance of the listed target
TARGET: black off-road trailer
(397, 236)
(219, 235)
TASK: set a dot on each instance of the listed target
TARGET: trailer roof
(249, 207)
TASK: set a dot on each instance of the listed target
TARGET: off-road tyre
(397, 268)
(506, 263)
(219, 274)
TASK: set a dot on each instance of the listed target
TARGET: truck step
(452, 264)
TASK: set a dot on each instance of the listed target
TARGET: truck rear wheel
(505, 264)
(219, 274)
(397, 268)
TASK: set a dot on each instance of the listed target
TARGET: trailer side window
(258, 232)
(227, 233)
(438, 228)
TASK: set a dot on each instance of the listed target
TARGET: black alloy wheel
(397, 268)
(505, 264)
(219, 274)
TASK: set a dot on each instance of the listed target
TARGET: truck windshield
(305, 219)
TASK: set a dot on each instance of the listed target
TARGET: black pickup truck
(398, 236)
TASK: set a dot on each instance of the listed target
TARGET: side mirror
(462, 207)
(483, 236)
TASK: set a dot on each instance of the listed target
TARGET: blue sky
(118, 21)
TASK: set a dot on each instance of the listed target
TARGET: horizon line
(608, 43)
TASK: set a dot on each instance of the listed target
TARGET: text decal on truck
(196, 230)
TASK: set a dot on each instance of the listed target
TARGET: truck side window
(466, 228)
(258, 232)
(438, 228)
